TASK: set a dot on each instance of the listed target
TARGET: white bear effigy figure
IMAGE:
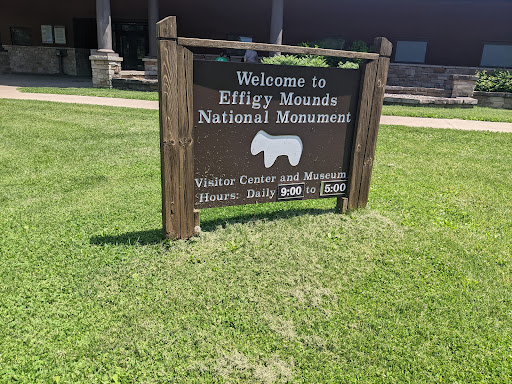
(275, 146)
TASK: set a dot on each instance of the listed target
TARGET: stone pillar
(105, 63)
(276, 22)
(150, 62)
(463, 85)
(150, 67)
(104, 68)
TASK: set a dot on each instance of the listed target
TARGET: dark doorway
(85, 33)
(131, 42)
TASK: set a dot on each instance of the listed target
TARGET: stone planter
(150, 67)
(463, 85)
(494, 99)
(145, 85)
(105, 66)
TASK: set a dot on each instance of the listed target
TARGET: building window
(60, 34)
(410, 51)
(47, 34)
(497, 55)
(21, 36)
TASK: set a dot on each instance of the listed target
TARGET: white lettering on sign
(213, 182)
(320, 83)
(325, 101)
(260, 101)
(244, 98)
(210, 197)
(244, 179)
(324, 176)
(285, 117)
(266, 192)
(209, 117)
(261, 80)
(334, 183)
(289, 178)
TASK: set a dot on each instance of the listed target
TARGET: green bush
(321, 61)
(348, 65)
(499, 80)
(327, 43)
(304, 61)
(358, 46)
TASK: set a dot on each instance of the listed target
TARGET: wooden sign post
(244, 133)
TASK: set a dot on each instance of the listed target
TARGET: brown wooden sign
(240, 133)
(257, 127)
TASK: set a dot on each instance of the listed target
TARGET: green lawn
(417, 288)
(99, 92)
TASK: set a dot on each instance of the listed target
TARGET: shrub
(321, 61)
(304, 61)
(358, 46)
(499, 80)
(348, 65)
(327, 43)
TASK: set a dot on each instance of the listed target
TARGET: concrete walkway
(10, 83)
(466, 125)
(9, 92)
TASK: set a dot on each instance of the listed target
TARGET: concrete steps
(425, 96)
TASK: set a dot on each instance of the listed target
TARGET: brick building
(57, 36)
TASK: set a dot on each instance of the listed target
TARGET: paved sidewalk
(9, 83)
(10, 92)
(466, 125)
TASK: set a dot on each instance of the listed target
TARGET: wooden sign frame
(175, 73)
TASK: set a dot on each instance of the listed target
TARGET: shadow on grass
(247, 217)
(155, 236)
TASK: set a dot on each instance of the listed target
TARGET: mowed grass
(98, 92)
(475, 113)
(415, 288)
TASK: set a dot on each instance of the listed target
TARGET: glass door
(131, 42)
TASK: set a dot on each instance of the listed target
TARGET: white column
(152, 20)
(104, 26)
(276, 23)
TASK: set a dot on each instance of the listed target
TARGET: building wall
(34, 13)
(4, 62)
(44, 60)
(454, 29)
(217, 19)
